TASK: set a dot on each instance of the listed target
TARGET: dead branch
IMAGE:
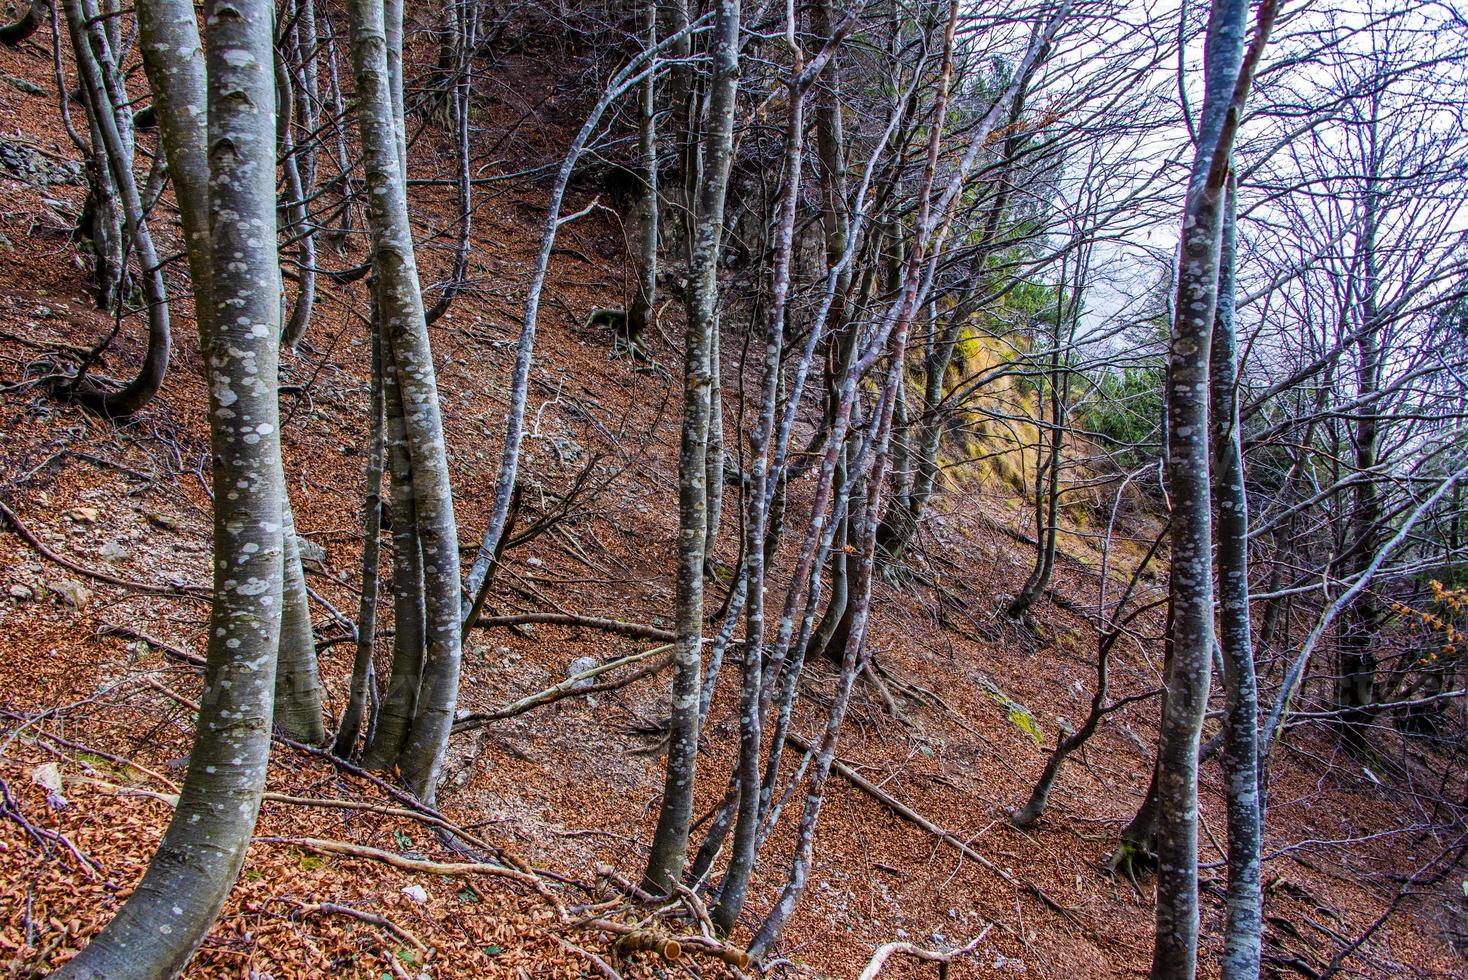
(601, 965)
(673, 946)
(382, 922)
(634, 630)
(168, 649)
(571, 687)
(171, 589)
(952, 840)
(887, 951)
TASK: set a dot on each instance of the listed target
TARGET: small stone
(161, 520)
(84, 515)
(48, 777)
(114, 550)
(310, 550)
(416, 893)
(74, 594)
(18, 591)
(534, 562)
(580, 666)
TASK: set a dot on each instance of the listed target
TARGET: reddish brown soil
(571, 786)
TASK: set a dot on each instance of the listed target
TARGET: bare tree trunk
(1356, 687)
(169, 913)
(670, 840)
(362, 666)
(713, 456)
(480, 577)
(1243, 929)
(377, 65)
(1047, 468)
(1227, 74)
(297, 165)
(643, 308)
(464, 21)
(110, 117)
(735, 887)
(400, 702)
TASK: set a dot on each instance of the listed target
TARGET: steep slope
(100, 615)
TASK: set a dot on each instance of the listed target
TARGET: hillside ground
(101, 613)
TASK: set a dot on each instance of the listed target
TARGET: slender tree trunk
(480, 577)
(299, 175)
(377, 65)
(1356, 687)
(643, 308)
(1243, 929)
(169, 913)
(362, 666)
(735, 887)
(714, 452)
(1188, 671)
(1187, 675)
(110, 117)
(464, 22)
(670, 840)
(1047, 473)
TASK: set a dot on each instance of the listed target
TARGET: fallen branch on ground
(700, 944)
(634, 630)
(382, 922)
(952, 840)
(168, 649)
(171, 589)
(884, 953)
(570, 687)
(601, 965)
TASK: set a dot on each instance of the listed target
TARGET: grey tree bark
(109, 116)
(296, 106)
(298, 693)
(1227, 74)
(362, 665)
(169, 913)
(670, 840)
(643, 308)
(376, 29)
(1243, 929)
(735, 887)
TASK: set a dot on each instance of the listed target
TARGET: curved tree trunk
(377, 65)
(362, 668)
(169, 913)
(106, 106)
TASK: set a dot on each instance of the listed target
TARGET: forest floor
(103, 607)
